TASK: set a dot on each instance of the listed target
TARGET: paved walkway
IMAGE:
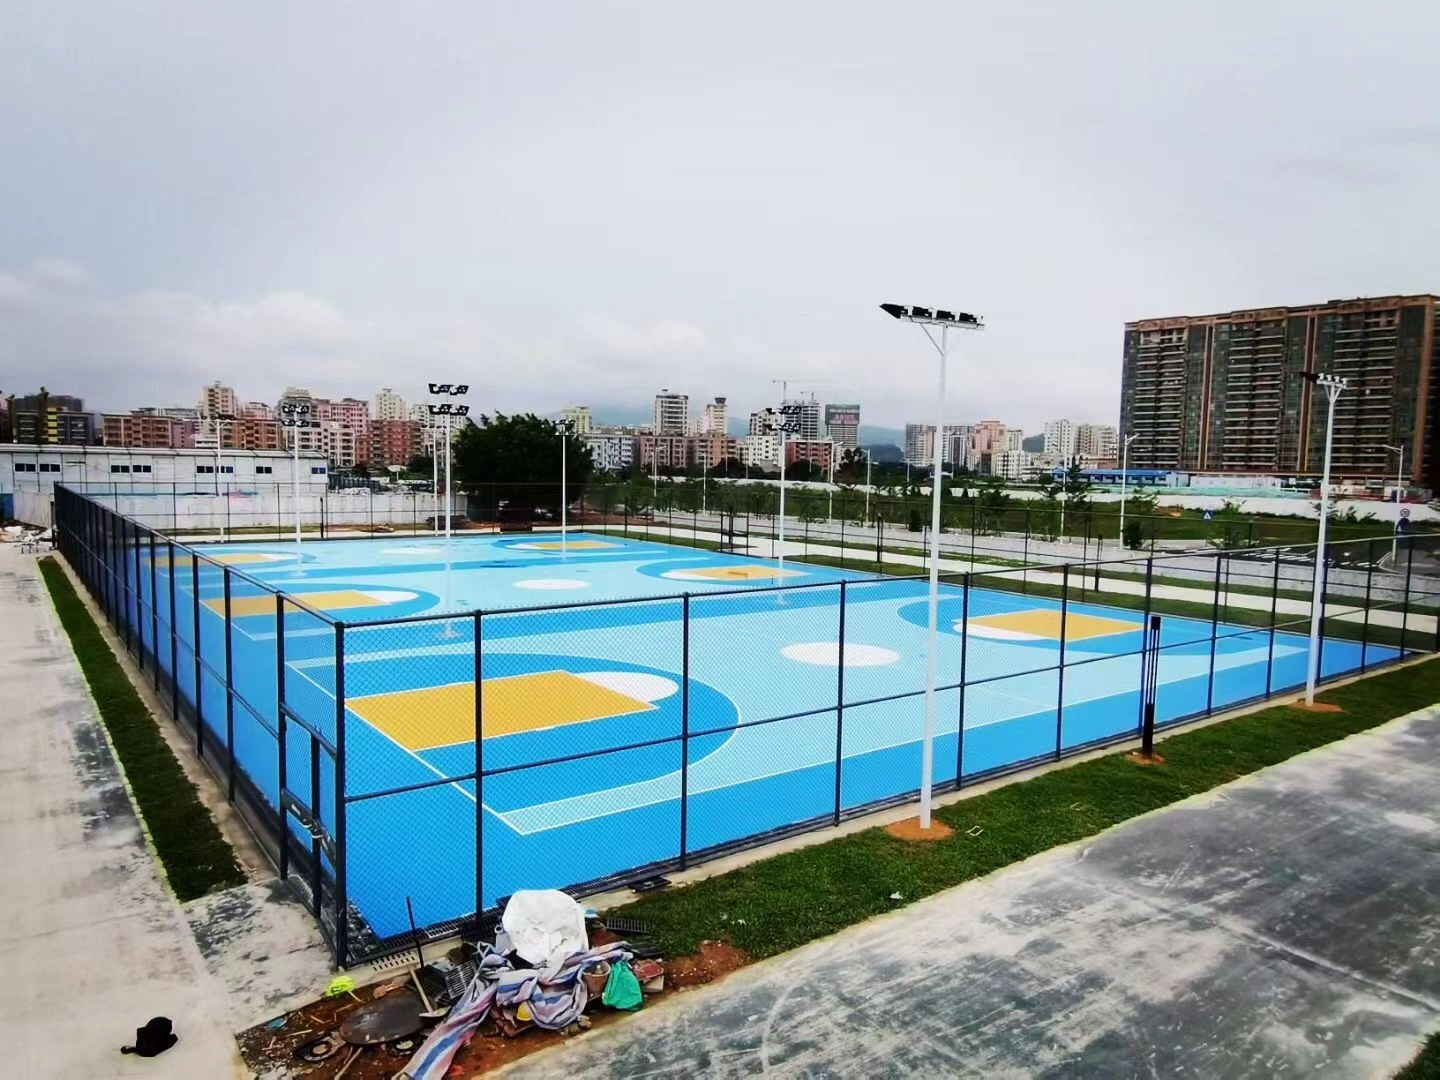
(1285, 925)
(91, 944)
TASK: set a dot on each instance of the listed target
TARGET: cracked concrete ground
(1285, 925)
(93, 944)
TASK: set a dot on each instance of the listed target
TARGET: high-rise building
(579, 417)
(760, 451)
(1060, 438)
(1011, 463)
(1014, 439)
(390, 405)
(1096, 442)
(257, 410)
(816, 451)
(986, 437)
(395, 442)
(712, 418)
(807, 420)
(949, 433)
(217, 400)
(611, 452)
(671, 415)
(759, 423)
(1223, 393)
(148, 428)
(842, 425)
(920, 444)
(57, 419)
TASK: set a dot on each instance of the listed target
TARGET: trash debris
(896, 896)
(341, 984)
(153, 1039)
(650, 974)
(974, 830)
(546, 926)
(321, 1049)
(627, 927)
(622, 991)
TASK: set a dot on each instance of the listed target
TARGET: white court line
(454, 783)
(769, 775)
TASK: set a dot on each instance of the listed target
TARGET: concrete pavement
(1284, 925)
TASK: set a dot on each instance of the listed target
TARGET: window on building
(317, 470)
(49, 466)
(227, 468)
(264, 470)
(24, 466)
(142, 468)
(205, 469)
(119, 468)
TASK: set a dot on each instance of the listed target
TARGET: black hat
(154, 1038)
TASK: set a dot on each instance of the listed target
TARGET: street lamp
(787, 423)
(295, 415)
(447, 409)
(1399, 483)
(1333, 384)
(925, 318)
(1124, 475)
(217, 430)
(566, 428)
(867, 483)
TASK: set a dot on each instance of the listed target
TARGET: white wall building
(611, 452)
(809, 420)
(919, 444)
(760, 451)
(713, 418)
(1014, 439)
(1060, 438)
(1097, 441)
(1011, 464)
(217, 400)
(579, 417)
(390, 405)
(671, 415)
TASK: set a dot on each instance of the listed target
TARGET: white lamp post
(295, 415)
(1399, 483)
(566, 427)
(1124, 476)
(787, 423)
(447, 409)
(217, 429)
(945, 320)
(1333, 384)
(867, 484)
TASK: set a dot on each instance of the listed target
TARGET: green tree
(803, 470)
(1139, 516)
(516, 459)
(1229, 528)
(421, 465)
(991, 503)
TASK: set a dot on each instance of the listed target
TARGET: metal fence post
(154, 619)
(1409, 545)
(1060, 674)
(229, 695)
(1214, 633)
(139, 605)
(317, 884)
(479, 770)
(964, 651)
(1274, 604)
(839, 704)
(684, 728)
(195, 643)
(342, 902)
(174, 644)
(281, 763)
(1365, 623)
(1149, 677)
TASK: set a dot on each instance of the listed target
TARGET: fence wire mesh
(440, 762)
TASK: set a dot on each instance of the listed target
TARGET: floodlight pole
(565, 427)
(1124, 474)
(435, 474)
(867, 485)
(1399, 481)
(925, 318)
(1333, 385)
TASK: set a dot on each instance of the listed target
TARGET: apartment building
(1223, 394)
(218, 400)
(389, 405)
(394, 442)
(579, 418)
(713, 418)
(148, 428)
(52, 419)
(818, 452)
(611, 452)
(842, 426)
(671, 415)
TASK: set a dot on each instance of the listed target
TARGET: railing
(618, 740)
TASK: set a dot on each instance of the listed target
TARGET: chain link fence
(436, 764)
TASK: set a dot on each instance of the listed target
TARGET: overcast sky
(582, 202)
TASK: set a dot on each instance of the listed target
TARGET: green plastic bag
(622, 989)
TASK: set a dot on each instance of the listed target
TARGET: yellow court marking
(444, 715)
(241, 606)
(229, 558)
(1045, 623)
(572, 545)
(738, 573)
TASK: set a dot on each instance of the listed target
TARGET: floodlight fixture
(1319, 378)
(924, 316)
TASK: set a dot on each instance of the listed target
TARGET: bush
(916, 520)
(1133, 540)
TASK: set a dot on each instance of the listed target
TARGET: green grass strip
(196, 857)
(1426, 1065)
(785, 901)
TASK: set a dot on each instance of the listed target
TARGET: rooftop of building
(1359, 303)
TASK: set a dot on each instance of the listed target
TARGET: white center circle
(827, 654)
(640, 685)
(552, 583)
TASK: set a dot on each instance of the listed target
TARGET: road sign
(1208, 515)
(1404, 511)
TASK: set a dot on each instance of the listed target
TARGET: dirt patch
(1140, 759)
(1319, 706)
(910, 830)
(714, 959)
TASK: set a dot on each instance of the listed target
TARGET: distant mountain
(884, 453)
(871, 434)
(1033, 443)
